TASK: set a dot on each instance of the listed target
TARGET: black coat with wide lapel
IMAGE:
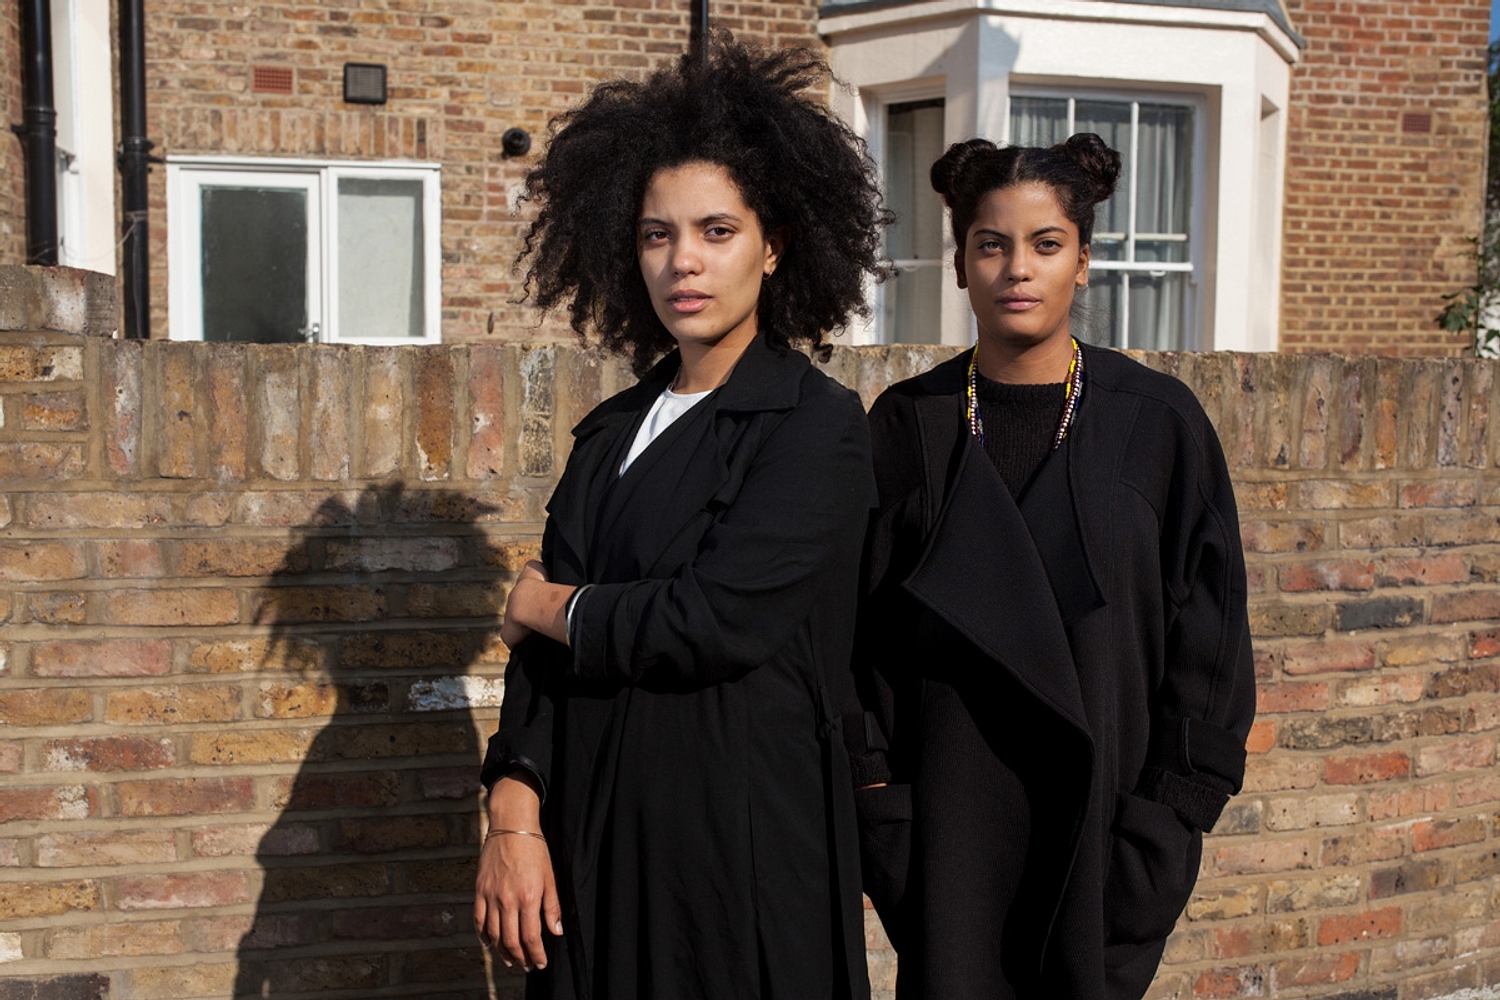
(1114, 595)
(694, 696)
(1008, 578)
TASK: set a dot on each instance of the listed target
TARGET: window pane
(914, 139)
(380, 280)
(912, 304)
(1166, 137)
(1107, 246)
(1099, 320)
(1152, 251)
(254, 264)
(1038, 121)
(1158, 311)
(911, 301)
(1110, 120)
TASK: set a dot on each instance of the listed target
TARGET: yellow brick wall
(248, 662)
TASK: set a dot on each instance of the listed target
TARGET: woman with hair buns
(1053, 656)
(670, 808)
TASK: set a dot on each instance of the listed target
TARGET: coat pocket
(1152, 870)
(885, 848)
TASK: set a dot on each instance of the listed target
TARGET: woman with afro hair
(668, 817)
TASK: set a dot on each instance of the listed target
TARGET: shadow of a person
(376, 615)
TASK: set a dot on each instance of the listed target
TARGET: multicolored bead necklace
(1071, 391)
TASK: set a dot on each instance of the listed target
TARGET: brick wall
(1379, 199)
(12, 162)
(248, 663)
(460, 73)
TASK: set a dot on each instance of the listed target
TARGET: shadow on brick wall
(381, 608)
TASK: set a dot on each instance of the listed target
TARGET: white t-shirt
(667, 408)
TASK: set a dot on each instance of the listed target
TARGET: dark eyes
(660, 235)
(1045, 246)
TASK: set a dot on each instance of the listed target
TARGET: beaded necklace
(1071, 391)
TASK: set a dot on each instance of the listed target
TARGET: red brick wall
(12, 162)
(459, 74)
(1376, 217)
(247, 665)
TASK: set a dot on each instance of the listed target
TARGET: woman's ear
(776, 242)
(1081, 275)
(958, 267)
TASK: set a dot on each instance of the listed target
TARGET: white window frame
(85, 135)
(186, 176)
(1194, 266)
(876, 103)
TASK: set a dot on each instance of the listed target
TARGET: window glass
(911, 302)
(279, 251)
(1163, 196)
(1104, 300)
(254, 264)
(1158, 303)
(380, 279)
(1110, 120)
(1038, 121)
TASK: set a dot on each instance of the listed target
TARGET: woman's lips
(688, 301)
(1019, 304)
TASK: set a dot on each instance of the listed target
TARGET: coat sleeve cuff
(869, 769)
(1198, 799)
(588, 631)
(500, 761)
(1193, 746)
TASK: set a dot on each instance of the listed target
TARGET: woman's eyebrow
(1030, 236)
(715, 217)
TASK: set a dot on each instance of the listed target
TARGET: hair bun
(956, 161)
(1099, 163)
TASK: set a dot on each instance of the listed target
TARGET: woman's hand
(515, 894)
(535, 605)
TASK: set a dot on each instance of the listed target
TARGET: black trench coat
(1094, 638)
(698, 803)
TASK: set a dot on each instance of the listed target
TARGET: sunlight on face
(1021, 263)
(703, 255)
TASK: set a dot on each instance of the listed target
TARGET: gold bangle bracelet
(518, 833)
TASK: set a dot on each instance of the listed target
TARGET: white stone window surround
(970, 52)
(320, 177)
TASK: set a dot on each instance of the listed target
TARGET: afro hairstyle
(800, 169)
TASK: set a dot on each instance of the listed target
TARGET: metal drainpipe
(699, 31)
(38, 133)
(135, 163)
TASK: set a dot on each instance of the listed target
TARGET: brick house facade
(460, 74)
(1378, 171)
(1386, 149)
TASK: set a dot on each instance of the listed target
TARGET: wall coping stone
(58, 300)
